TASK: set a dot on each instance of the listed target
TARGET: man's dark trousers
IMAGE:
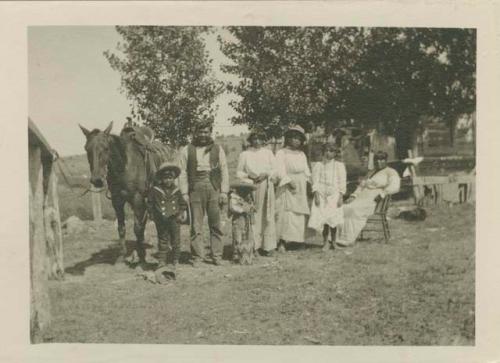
(204, 200)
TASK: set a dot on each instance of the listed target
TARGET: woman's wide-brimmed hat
(169, 166)
(296, 129)
(242, 185)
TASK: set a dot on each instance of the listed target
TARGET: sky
(70, 82)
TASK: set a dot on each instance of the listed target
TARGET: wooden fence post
(40, 303)
(53, 230)
(96, 204)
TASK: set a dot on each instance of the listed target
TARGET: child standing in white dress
(329, 187)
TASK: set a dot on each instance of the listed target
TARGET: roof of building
(36, 138)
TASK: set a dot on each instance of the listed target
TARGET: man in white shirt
(204, 183)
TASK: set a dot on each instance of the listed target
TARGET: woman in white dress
(291, 196)
(329, 187)
(361, 204)
(257, 165)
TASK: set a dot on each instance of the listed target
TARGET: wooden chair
(378, 222)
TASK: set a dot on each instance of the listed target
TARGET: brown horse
(126, 165)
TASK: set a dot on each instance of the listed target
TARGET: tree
(287, 73)
(410, 73)
(384, 78)
(166, 74)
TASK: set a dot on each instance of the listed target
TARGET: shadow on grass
(297, 246)
(110, 256)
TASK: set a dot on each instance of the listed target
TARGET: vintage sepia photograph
(252, 185)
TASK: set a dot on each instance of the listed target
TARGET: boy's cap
(167, 166)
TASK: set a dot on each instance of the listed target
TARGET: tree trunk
(452, 121)
(405, 136)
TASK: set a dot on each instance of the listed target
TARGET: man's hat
(168, 166)
(244, 186)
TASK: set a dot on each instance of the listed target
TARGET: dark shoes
(269, 253)
(198, 262)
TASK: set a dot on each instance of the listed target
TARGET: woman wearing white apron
(291, 196)
(257, 164)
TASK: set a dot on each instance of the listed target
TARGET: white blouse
(385, 181)
(329, 178)
(253, 162)
(291, 162)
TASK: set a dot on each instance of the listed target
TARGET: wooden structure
(46, 254)
(96, 204)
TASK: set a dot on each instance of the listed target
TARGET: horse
(125, 165)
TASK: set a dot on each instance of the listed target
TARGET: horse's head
(97, 147)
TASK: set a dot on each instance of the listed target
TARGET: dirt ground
(416, 290)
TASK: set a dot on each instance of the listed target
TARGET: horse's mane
(118, 156)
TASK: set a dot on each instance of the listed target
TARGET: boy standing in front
(168, 209)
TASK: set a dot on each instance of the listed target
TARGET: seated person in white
(361, 204)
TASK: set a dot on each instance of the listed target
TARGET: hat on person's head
(168, 166)
(256, 133)
(243, 186)
(204, 124)
(296, 129)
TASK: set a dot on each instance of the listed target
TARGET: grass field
(416, 290)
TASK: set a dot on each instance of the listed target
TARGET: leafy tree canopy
(166, 73)
(386, 78)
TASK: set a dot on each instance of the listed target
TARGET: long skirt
(291, 226)
(356, 214)
(292, 210)
(265, 223)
